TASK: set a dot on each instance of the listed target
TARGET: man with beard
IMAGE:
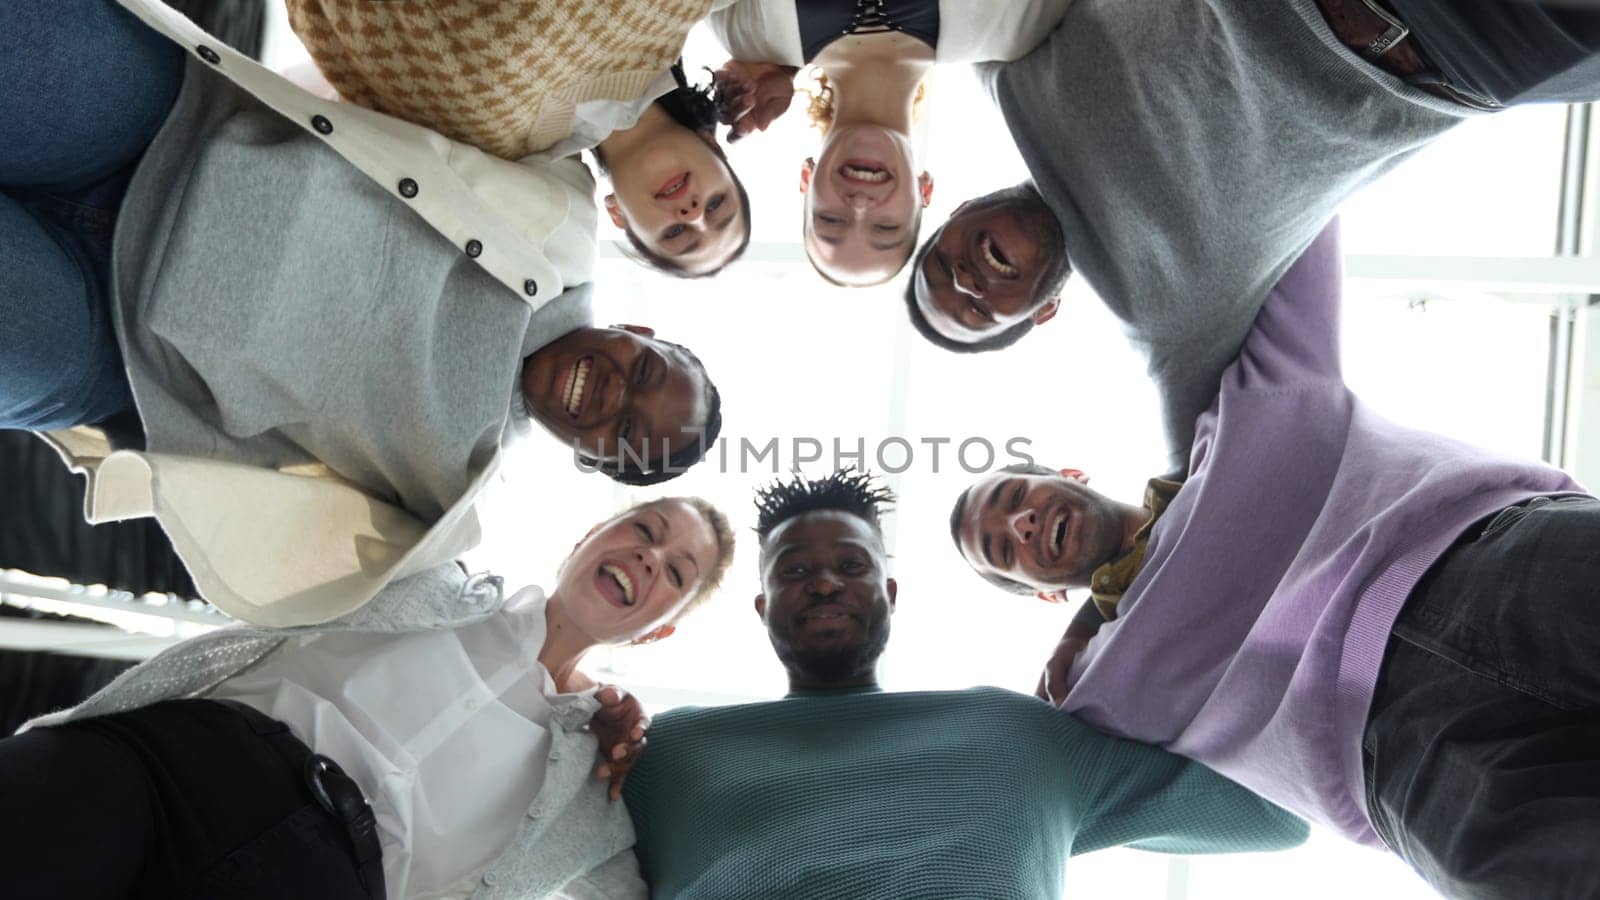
(1183, 152)
(1383, 630)
(843, 790)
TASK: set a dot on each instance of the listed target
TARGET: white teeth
(994, 261)
(859, 174)
(622, 580)
(673, 188)
(576, 379)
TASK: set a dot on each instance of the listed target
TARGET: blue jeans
(1483, 742)
(84, 87)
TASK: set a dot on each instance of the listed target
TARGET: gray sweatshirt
(277, 308)
(1191, 149)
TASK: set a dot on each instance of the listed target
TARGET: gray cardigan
(572, 828)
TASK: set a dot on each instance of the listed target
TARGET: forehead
(821, 530)
(684, 522)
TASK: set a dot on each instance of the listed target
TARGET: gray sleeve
(1186, 363)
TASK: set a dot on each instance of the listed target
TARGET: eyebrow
(893, 245)
(695, 245)
(987, 554)
(791, 548)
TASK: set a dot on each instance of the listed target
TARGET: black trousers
(184, 799)
(1483, 744)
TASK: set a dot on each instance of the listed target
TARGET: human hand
(751, 96)
(620, 726)
(1052, 687)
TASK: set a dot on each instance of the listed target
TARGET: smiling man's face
(826, 598)
(1045, 532)
(994, 264)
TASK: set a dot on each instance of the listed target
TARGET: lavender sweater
(1251, 638)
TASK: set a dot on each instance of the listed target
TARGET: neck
(1133, 518)
(620, 146)
(875, 90)
(564, 647)
(802, 681)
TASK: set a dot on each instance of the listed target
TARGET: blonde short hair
(819, 99)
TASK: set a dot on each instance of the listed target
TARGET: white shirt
(291, 547)
(447, 732)
(969, 30)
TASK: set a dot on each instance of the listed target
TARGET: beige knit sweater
(503, 75)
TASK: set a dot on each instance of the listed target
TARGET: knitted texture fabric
(858, 795)
(502, 75)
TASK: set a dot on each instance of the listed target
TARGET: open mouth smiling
(623, 582)
(995, 258)
(865, 172)
(575, 388)
(1057, 534)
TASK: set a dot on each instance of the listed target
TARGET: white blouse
(447, 732)
(969, 30)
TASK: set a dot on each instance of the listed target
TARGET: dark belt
(1373, 30)
(336, 792)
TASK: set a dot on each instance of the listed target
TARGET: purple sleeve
(1295, 338)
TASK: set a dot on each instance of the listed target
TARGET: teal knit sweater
(965, 794)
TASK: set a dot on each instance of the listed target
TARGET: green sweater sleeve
(1151, 799)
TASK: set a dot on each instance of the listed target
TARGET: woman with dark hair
(674, 194)
(548, 79)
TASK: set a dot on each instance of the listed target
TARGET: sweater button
(322, 125)
(408, 188)
(490, 879)
(531, 287)
(208, 54)
(474, 248)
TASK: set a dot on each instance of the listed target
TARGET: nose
(858, 201)
(964, 281)
(690, 212)
(1024, 525)
(824, 584)
(650, 558)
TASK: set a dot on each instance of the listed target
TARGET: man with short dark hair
(1388, 632)
(1183, 152)
(842, 790)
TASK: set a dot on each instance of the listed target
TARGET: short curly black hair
(851, 491)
